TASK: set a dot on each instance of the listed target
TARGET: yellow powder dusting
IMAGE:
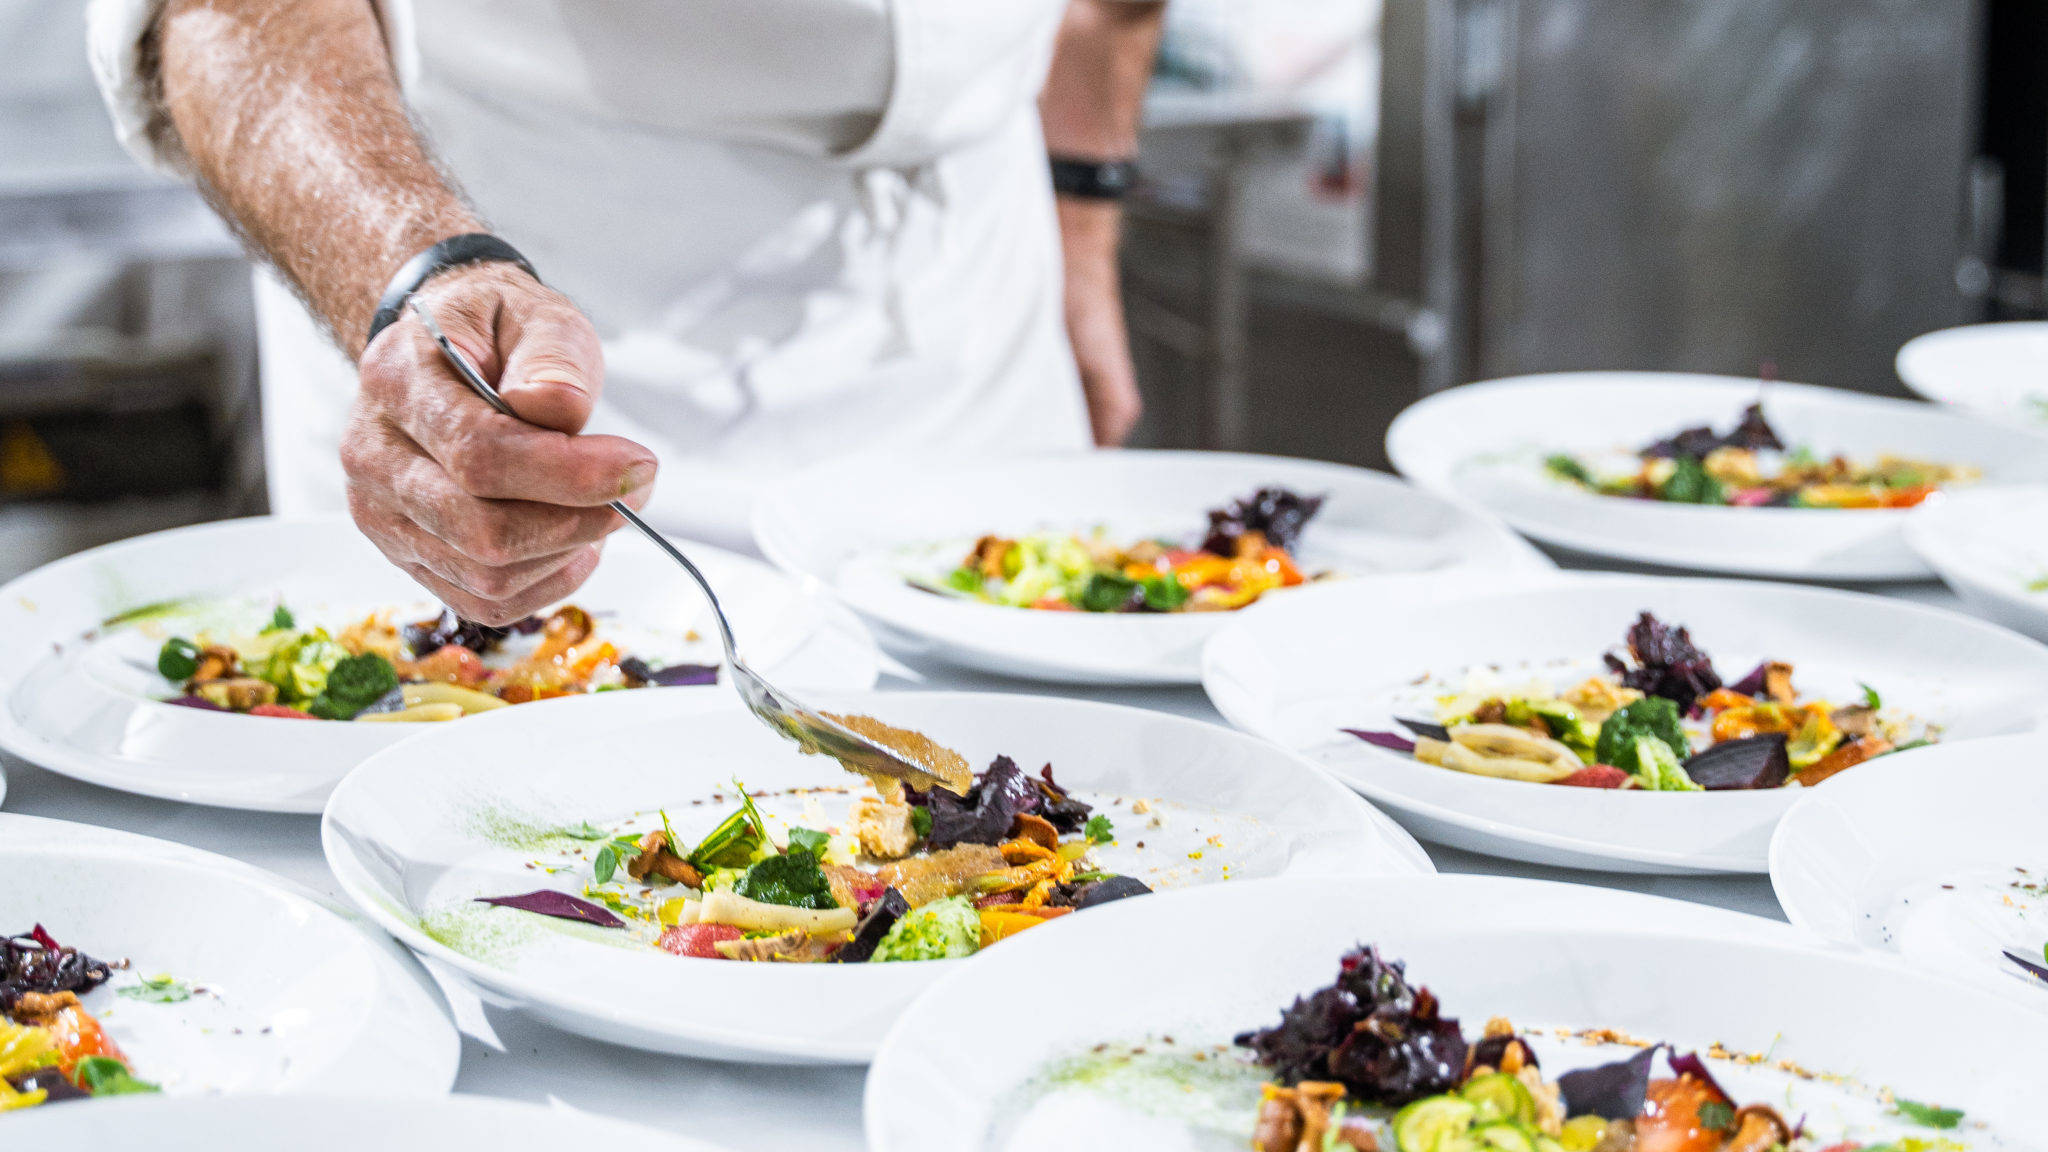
(919, 749)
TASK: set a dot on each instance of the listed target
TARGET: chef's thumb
(555, 371)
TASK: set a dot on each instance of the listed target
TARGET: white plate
(418, 831)
(1988, 545)
(953, 1077)
(1296, 672)
(1995, 370)
(1921, 856)
(88, 703)
(858, 527)
(289, 996)
(1487, 441)
(333, 1124)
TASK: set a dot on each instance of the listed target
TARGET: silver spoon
(812, 730)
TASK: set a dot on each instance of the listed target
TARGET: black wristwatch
(468, 248)
(1093, 179)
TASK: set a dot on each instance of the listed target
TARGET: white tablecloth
(762, 1109)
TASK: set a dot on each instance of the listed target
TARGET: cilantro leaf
(1098, 829)
(808, 840)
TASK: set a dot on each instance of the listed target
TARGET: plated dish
(1551, 453)
(1242, 555)
(337, 1123)
(135, 967)
(1379, 1015)
(884, 535)
(1509, 695)
(1935, 857)
(1995, 370)
(772, 935)
(116, 640)
(1990, 547)
(1751, 466)
(1656, 717)
(375, 670)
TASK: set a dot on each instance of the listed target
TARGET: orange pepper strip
(1841, 759)
(1721, 699)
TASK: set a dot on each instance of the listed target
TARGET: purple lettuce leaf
(1391, 741)
(1424, 728)
(1690, 1064)
(2027, 964)
(673, 676)
(560, 905)
(199, 702)
(1753, 683)
(1611, 1091)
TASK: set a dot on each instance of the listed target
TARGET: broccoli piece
(352, 685)
(1690, 484)
(1652, 716)
(1655, 766)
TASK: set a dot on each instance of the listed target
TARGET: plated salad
(1751, 467)
(1372, 1044)
(442, 668)
(1246, 553)
(51, 1048)
(1659, 718)
(909, 876)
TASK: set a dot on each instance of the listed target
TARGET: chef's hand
(1095, 319)
(498, 517)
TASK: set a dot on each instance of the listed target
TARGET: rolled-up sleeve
(116, 32)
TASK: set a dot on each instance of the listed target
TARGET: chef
(766, 232)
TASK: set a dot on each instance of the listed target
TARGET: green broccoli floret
(352, 685)
(1651, 716)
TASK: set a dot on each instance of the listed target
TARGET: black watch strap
(468, 248)
(1093, 179)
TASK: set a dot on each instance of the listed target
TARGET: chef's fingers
(404, 379)
(554, 365)
(499, 614)
(501, 532)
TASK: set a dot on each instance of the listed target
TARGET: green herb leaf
(1165, 592)
(585, 831)
(1870, 697)
(921, 822)
(353, 685)
(1568, 468)
(1690, 484)
(106, 1076)
(1717, 1116)
(792, 879)
(807, 840)
(964, 579)
(178, 659)
(1106, 592)
(1927, 1115)
(158, 990)
(1098, 829)
(281, 620)
(606, 864)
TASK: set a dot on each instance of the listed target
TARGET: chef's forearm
(1101, 66)
(291, 116)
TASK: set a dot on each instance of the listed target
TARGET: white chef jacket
(803, 228)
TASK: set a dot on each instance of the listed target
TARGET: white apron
(803, 228)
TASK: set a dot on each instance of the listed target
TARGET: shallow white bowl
(1922, 856)
(87, 702)
(857, 527)
(421, 829)
(1995, 370)
(954, 1076)
(1988, 545)
(298, 997)
(337, 1123)
(1486, 442)
(1296, 672)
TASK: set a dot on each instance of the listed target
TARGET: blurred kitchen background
(1346, 204)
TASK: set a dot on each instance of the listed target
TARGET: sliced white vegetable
(1508, 741)
(414, 714)
(754, 916)
(442, 692)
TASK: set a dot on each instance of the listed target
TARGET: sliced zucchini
(1434, 1124)
(1500, 1096)
(1505, 1136)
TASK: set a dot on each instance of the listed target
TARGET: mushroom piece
(1298, 1119)
(793, 947)
(236, 693)
(216, 662)
(655, 859)
(1856, 720)
(1778, 682)
(1758, 1128)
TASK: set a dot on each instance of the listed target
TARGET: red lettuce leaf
(560, 905)
(1391, 741)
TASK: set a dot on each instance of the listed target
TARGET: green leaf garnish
(606, 864)
(158, 990)
(1568, 468)
(106, 1076)
(585, 831)
(1927, 1115)
(921, 822)
(1716, 1116)
(178, 659)
(1098, 830)
(1870, 697)
(281, 620)
(808, 840)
